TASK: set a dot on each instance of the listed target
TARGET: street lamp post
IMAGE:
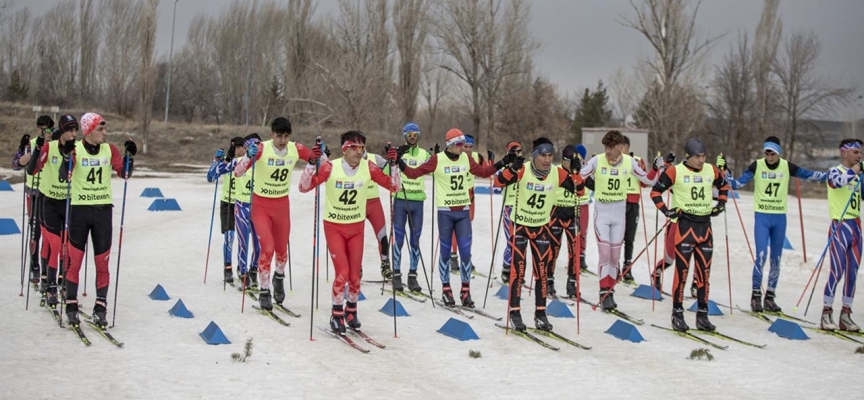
(170, 60)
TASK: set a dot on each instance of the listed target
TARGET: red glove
(391, 155)
(316, 153)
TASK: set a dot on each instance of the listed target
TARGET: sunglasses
(356, 147)
(411, 134)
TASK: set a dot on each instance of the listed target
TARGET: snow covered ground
(164, 357)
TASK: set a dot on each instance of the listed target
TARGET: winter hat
(90, 121)
(542, 145)
(568, 153)
(773, 144)
(693, 147)
(583, 152)
(410, 127)
(455, 137)
(237, 141)
(45, 120)
(68, 123)
(513, 145)
(469, 140)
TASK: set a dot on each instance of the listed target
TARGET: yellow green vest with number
(29, 181)
(243, 187)
(469, 180)
(372, 187)
(633, 186)
(837, 199)
(692, 190)
(51, 184)
(510, 198)
(771, 188)
(346, 195)
(450, 181)
(272, 172)
(91, 176)
(564, 197)
(229, 188)
(536, 198)
(611, 182)
(413, 189)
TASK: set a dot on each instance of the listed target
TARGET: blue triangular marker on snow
(625, 331)
(788, 330)
(164, 205)
(8, 226)
(712, 308)
(180, 310)
(458, 330)
(159, 293)
(388, 309)
(503, 292)
(213, 335)
(646, 292)
(558, 309)
(152, 192)
(787, 245)
(5, 187)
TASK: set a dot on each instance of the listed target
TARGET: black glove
(40, 141)
(231, 153)
(25, 141)
(68, 147)
(576, 164)
(402, 150)
(718, 209)
(490, 155)
(673, 213)
(505, 161)
(130, 147)
(670, 158)
(436, 149)
(327, 151)
(517, 164)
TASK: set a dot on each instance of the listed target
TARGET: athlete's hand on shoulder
(251, 147)
(718, 209)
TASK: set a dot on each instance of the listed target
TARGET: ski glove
(721, 161)
(718, 209)
(517, 165)
(316, 153)
(251, 147)
(670, 158)
(25, 140)
(490, 156)
(392, 154)
(40, 141)
(436, 149)
(673, 213)
(402, 150)
(659, 162)
(68, 147)
(130, 147)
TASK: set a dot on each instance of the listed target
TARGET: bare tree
(437, 85)
(147, 37)
(409, 21)
(804, 93)
(17, 59)
(56, 35)
(670, 28)
(119, 64)
(766, 42)
(299, 44)
(90, 38)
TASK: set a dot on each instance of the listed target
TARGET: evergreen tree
(592, 111)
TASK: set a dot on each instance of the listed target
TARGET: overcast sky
(582, 43)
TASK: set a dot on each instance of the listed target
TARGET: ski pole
(228, 239)
(728, 264)
(85, 271)
(23, 208)
(120, 239)
(64, 246)
(494, 246)
(252, 230)
(316, 215)
(627, 269)
(644, 227)
(575, 258)
(741, 220)
(419, 252)
(818, 268)
(210, 235)
(290, 279)
(392, 242)
(514, 211)
(801, 219)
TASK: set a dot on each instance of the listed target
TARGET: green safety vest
(229, 187)
(609, 187)
(771, 188)
(51, 184)
(692, 190)
(372, 190)
(450, 177)
(633, 186)
(272, 172)
(242, 187)
(413, 189)
(91, 176)
(535, 198)
(837, 199)
(469, 180)
(564, 197)
(346, 196)
(29, 182)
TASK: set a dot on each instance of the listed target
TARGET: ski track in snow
(164, 356)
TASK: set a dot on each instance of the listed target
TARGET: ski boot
(447, 296)
(628, 276)
(516, 321)
(827, 322)
(264, 300)
(465, 296)
(337, 320)
(386, 272)
(571, 286)
(454, 262)
(550, 288)
(541, 322)
(608, 301)
(768, 304)
(351, 316)
(702, 322)
(412, 282)
(583, 265)
(51, 297)
(35, 274)
(505, 274)
(253, 280)
(100, 313)
(229, 275)
(43, 284)
(278, 287)
(72, 312)
(846, 323)
(756, 301)
(678, 323)
(397, 281)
